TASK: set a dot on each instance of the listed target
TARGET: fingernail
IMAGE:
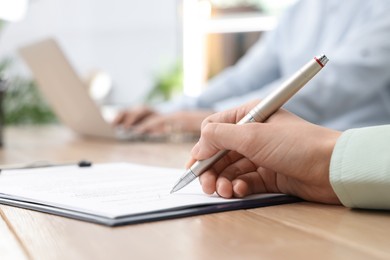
(236, 189)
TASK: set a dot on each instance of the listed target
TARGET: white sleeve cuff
(360, 168)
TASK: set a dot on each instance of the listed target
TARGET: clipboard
(202, 204)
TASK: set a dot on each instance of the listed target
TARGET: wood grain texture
(233, 235)
(55, 143)
(10, 247)
(365, 230)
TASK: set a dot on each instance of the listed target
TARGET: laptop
(67, 94)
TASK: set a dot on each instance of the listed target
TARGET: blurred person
(352, 91)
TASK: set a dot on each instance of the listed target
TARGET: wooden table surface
(292, 231)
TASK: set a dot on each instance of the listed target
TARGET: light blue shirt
(353, 90)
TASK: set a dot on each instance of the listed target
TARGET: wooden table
(291, 231)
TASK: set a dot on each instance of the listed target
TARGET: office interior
(129, 53)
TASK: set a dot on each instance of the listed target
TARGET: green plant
(168, 83)
(22, 103)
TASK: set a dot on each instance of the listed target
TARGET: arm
(257, 68)
(257, 71)
(356, 80)
(289, 155)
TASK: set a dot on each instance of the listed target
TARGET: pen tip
(187, 177)
(174, 189)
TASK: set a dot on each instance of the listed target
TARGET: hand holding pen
(259, 113)
(284, 155)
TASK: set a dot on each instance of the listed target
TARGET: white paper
(108, 190)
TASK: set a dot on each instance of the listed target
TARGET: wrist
(328, 143)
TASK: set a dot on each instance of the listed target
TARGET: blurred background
(128, 52)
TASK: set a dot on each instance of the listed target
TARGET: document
(116, 193)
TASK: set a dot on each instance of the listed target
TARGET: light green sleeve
(360, 168)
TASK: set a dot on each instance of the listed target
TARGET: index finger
(209, 178)
(230, 116)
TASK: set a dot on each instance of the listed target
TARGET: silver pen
(260, 113)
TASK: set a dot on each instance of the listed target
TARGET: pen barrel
(281, 95)
(267, 107)
(200, 167)
(260, 113)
